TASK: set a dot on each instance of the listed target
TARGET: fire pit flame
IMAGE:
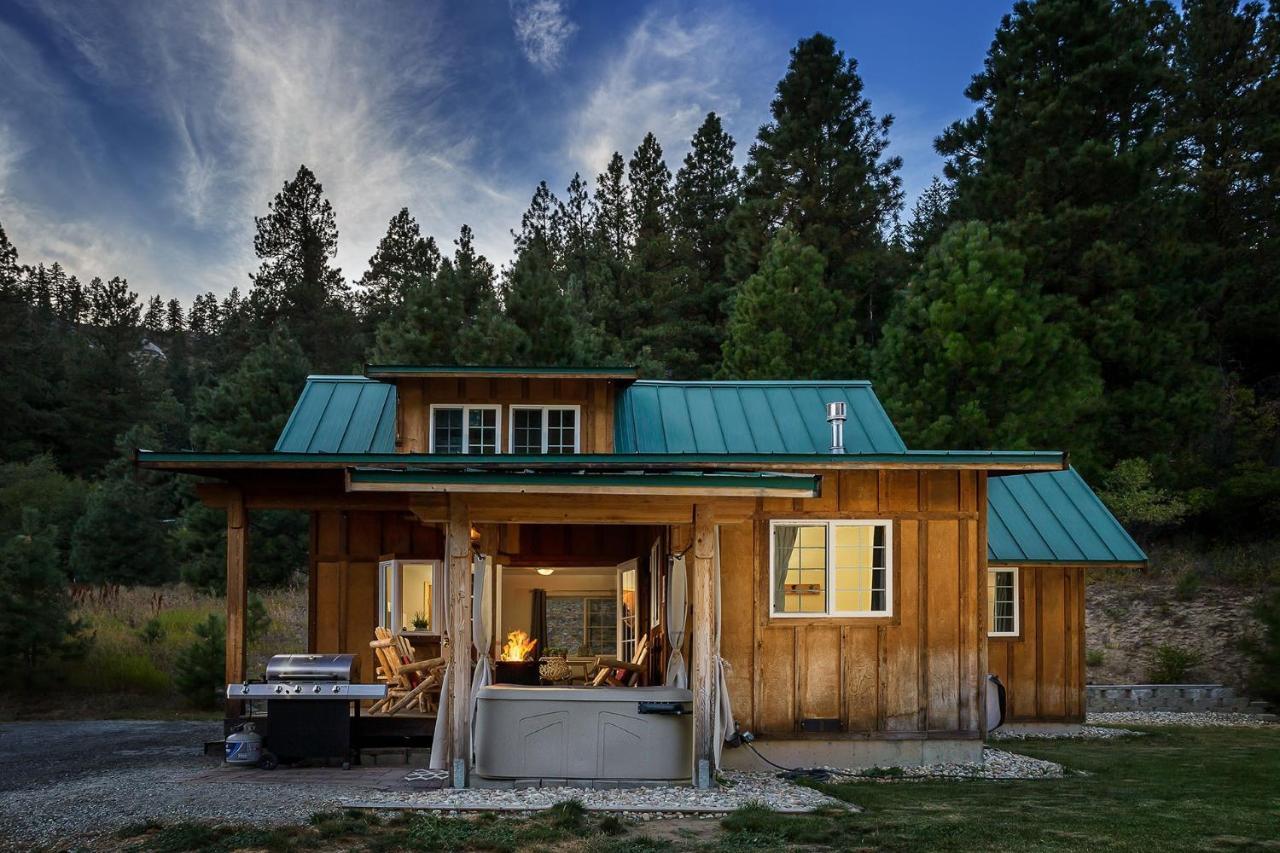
(518, 647)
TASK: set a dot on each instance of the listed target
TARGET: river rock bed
(1192, 719)
(741, 788)
(996, 764)
(1085, 732)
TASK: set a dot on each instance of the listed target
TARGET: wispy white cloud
(542, 29)
(671, 71)
(246, 93)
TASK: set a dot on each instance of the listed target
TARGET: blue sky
(140, 138)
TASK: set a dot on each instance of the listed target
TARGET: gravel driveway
(63, 781)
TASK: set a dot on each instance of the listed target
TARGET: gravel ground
(1193, 719)
(996, 764)
(741, 789)
(67, 780)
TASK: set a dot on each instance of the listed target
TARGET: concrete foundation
(852, 754)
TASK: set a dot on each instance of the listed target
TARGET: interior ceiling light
(545, 572)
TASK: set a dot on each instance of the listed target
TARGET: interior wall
(518, 586)
(1043, 667)
(914, 673)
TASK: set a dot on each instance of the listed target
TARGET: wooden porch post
(237, 595)
(704, 604)
(459, 539)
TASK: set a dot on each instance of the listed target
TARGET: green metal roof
(489, 370)
(1053, 517)
(749, 417)
(341, 414)
(801, 484)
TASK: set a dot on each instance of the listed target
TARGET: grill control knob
(244, 688)
(297, 688)
(279, 688)
(337, 688)
(315, 689)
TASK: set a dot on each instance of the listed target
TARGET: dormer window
(465, 429)
(544, 429)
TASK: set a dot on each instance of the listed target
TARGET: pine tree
(403, 261)
(706, 194)
(930, 216)
(612, 209)
(35, 609)
(820, 167)
(786, 322)
(153, 319)
(10, 272)
(1067, 158)
(1225, 119)
(295, 285)
(971, 359)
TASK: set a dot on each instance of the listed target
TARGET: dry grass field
(136, 635)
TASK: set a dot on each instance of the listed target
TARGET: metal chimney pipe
(836, 417)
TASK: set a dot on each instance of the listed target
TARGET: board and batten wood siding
(414, 398)
(345, 549)
(1043, 667)
(915, 673)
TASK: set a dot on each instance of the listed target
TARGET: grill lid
(313, 668)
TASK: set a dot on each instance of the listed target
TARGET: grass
(1172, 789)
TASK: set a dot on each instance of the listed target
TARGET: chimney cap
(836, 410)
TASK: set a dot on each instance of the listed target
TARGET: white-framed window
(411, 596)
(628, 631)
(466, 429)
(1002, 602)
(830, 568)
(544, 429)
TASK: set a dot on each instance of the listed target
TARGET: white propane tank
(244, 746)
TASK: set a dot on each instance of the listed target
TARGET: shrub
(1095, 657)
(1133, 497)
(152, 632)
(1187, 586)
(1171, 664)
(200, 668)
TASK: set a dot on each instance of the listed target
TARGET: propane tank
(244, 746)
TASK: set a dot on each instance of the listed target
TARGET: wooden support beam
(459, 545)
(703, 633)
(237, 596)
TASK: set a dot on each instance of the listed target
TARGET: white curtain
(677, 613)
(481, 635)
(440, 737)
(724, 708)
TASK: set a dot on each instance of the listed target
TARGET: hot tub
(584, 734)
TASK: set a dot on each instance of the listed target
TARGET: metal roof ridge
(340, 377)
(728, 383)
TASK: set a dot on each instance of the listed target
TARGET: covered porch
(489, 528)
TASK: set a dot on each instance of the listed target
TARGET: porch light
(545, 572)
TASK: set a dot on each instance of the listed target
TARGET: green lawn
(1173, 789)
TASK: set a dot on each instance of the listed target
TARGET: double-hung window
(830, 568)
(410, 595)
(465, 429)
(544, 429)
(1002, 602)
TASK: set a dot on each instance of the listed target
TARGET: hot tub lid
(513, 692)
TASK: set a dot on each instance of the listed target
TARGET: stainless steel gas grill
(312, 704)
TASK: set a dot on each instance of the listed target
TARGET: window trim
(466, 408)
(546, 425)
(1017, 603)
(831, 524)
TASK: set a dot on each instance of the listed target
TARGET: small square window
(465, 429)
(544, 429)
(837, 568)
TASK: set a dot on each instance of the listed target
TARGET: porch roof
(1053, 517)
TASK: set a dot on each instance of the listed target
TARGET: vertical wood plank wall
(1043, 668)
(416, 396)
(915, 673)
(345, 548)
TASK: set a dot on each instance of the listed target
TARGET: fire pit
(515, 664)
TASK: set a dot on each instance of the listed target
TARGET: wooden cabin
(849, 585)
